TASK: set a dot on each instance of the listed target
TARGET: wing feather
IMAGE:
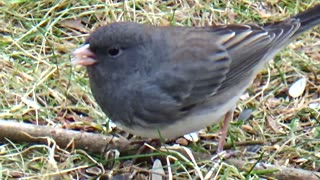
(206, 63)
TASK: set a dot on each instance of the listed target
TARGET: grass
(39, 85)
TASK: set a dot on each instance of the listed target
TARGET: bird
(167, 81)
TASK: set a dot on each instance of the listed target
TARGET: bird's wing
(192, 70)
(252, 46)
(206, 62)
(218, 57)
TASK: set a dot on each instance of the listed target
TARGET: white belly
(209, 114)
(194, 122)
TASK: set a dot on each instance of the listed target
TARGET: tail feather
(308, 19)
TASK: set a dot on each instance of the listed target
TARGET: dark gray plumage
(175, 80)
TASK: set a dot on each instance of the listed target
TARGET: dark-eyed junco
(170, 81)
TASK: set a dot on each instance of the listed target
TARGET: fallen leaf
(273, 124)
(182, 141)
(74, 24)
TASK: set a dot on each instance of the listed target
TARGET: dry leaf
(182, 141)
(273, 124)
(248, 128)
(74, 24)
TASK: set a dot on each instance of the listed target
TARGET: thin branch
(90, 142)
(279, 172)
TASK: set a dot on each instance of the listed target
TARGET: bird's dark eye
(114, 51)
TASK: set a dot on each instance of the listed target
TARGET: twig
(90, 142)
(279, 172)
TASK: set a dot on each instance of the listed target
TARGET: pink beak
(83, 56)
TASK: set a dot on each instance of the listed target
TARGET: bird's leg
(222, 140)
